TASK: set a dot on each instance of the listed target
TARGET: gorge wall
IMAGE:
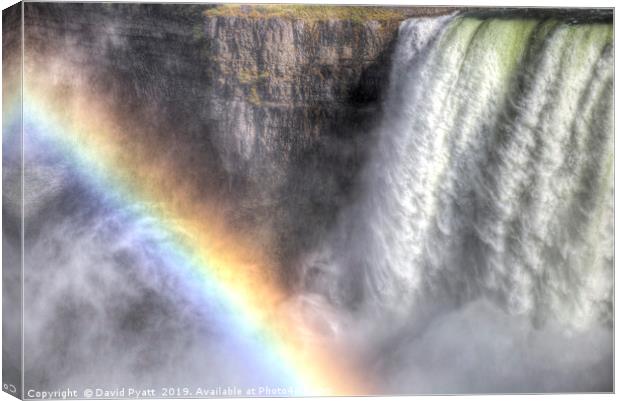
(262, 99)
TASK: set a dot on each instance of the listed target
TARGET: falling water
(491, 180)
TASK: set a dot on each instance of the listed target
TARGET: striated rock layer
(271, 111)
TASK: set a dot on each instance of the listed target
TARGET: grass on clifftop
(307, 12)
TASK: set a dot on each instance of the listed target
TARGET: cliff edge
(271, 105)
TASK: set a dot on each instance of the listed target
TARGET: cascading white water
(491, 179)
(492, 171)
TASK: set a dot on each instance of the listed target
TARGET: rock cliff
(272, 105)
(294, 98)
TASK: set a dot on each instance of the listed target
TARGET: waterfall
(490, 181)
(463, 244)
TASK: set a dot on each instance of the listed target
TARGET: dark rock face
(272, 114)
(293, 103)
(289, 82)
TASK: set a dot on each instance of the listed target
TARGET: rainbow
(223, 267)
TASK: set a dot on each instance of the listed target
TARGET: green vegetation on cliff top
(309, 12)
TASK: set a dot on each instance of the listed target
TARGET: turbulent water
(481, 247)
